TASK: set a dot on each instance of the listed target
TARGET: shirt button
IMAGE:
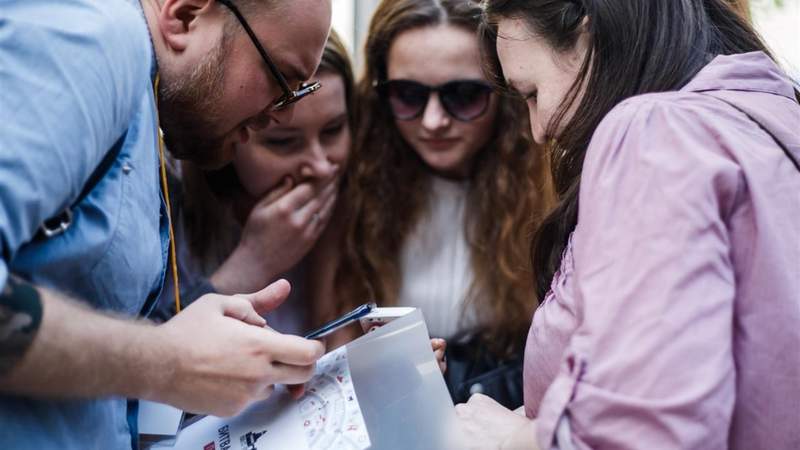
(126, 168)
(476, 388)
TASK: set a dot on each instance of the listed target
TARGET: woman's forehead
(434, 54)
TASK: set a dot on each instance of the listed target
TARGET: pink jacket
(674, 321)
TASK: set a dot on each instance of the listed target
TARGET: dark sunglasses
(289, 95)
(464, 100)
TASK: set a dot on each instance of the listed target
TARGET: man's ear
(177, 18)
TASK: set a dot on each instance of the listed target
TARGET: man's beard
(189, 112)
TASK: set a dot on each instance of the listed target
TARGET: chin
(449, 169)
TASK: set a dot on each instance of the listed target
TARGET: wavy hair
(388, 185)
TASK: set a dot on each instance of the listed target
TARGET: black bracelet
(20, 318)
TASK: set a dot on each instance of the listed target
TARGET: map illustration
(331, 414)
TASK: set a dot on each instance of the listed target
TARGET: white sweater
(435, 262)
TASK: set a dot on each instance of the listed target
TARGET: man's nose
(283, 115)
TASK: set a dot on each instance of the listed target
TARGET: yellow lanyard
(173, 258)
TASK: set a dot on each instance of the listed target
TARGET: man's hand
(281, 229)
(220, 357)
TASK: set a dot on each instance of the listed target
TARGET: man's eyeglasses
(289, 95)
(464, 100)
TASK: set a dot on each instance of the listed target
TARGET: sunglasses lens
(406, 98)
(465, 100)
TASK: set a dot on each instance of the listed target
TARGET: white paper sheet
(328, 416)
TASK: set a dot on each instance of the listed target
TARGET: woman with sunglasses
(442, 193)
(264, 216)
(670, 270)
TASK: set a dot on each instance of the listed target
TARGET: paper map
(331, 414)
(328, 416)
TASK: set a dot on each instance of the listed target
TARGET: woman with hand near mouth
(442, 192)
(266, 214)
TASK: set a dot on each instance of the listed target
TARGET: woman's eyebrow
(340, 117)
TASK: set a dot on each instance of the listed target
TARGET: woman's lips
(440, 143)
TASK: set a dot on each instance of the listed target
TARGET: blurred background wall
(778, 22)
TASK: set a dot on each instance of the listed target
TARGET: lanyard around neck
(173, 257)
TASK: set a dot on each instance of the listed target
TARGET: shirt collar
(153, 60)
(754, 72)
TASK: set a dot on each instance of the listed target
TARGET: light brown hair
(387, 187)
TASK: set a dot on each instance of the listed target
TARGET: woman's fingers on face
(326, 212)
(295, 200)
(279, 191)
(304, 217)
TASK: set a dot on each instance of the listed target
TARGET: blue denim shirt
(75, 75)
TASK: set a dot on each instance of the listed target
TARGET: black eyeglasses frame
(289, 95)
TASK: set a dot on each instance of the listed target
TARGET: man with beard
(83, 225)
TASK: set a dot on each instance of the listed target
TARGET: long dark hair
(636, 47)
(388, 187)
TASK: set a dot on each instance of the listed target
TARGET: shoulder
(672, 144)
(84, 35)
(671, 130)
(109, 23)
(658, 114)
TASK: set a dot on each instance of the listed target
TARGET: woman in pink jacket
(670, 272)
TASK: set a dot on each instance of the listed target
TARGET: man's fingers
(296, 390)
(242, 309)
(294, 350)
(265, 392)
(270, 297)
(291, 374)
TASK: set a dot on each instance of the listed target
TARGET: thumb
(241, 309)
(270, 297)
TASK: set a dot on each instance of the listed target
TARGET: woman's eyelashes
(287, 143)
(281, 142)
(334, 130)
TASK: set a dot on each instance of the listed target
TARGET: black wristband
(20, 318)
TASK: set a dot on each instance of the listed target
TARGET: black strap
(765, 129)
(61, 221)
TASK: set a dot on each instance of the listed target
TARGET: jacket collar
(753, 72)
